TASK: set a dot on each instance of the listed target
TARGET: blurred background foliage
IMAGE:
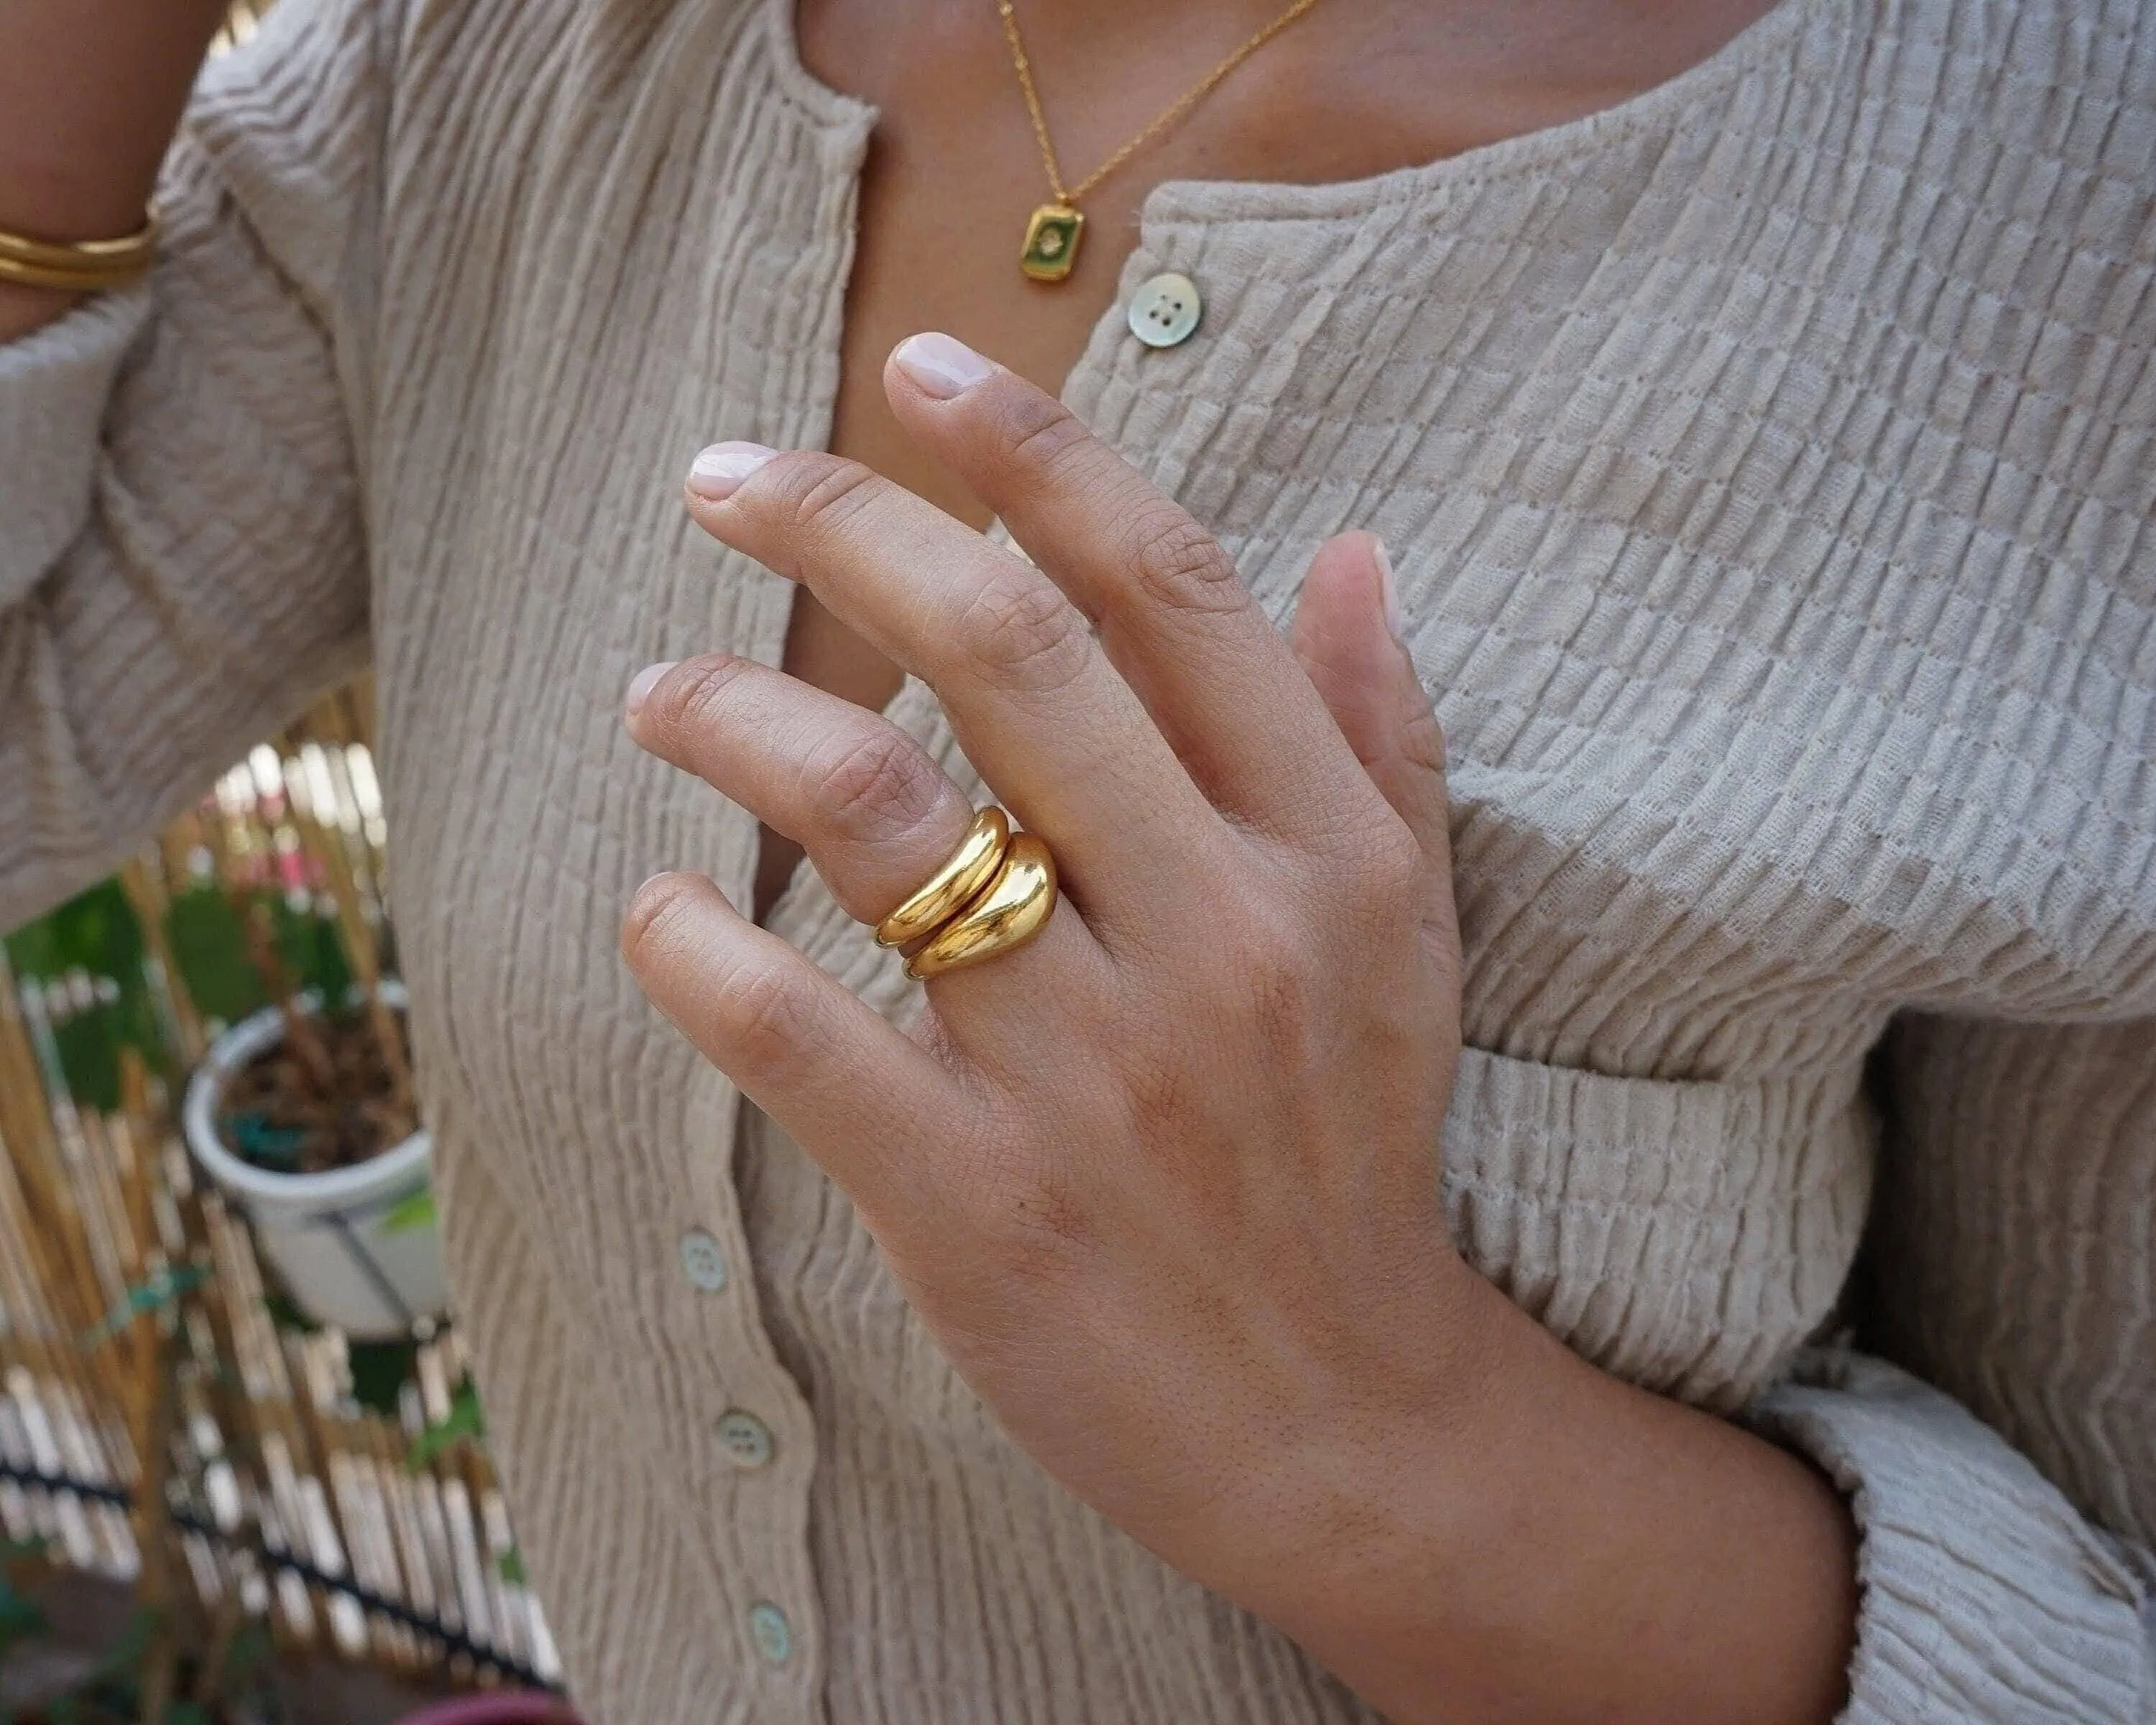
(92, 957)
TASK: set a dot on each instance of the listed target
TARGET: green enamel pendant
(1051, 242)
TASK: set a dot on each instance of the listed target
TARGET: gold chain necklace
(1052, 236)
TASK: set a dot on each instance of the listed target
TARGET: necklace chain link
(1182, 104)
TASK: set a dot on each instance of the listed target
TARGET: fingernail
(717, 472)
(1388, 585)
(942, 365)
(644, 681)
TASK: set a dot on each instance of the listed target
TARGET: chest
(1122, 98)
(1685, 534)
(1779, 693)
(967, 142)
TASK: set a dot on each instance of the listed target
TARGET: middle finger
(875, 813)
(1032, 699)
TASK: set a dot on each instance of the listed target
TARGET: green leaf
(284, 1313)
(510, 1566)
(89, 1058)
(409, 1215)
(209, 948)
(463, 1420)
(95, 934)
(94, 930)
(380, 1370)
(250, 1649)
(327, 970)
(20, 1616)
(158, 1291)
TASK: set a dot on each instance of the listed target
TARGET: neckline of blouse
(1775, 32)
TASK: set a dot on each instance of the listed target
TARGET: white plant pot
(324, 1232)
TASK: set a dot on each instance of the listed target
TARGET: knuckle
(1176, 564)
(765, 1018)
(1422, 743)
(815, 492)
(1019, 632)
(1045, 438)
(873, 784)
(1390, 878)
(651, 927)
(1277, 968)
(696, 695)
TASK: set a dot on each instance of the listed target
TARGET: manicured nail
(1389, 585)
(644, 681)
(942, 365)
(717, 472)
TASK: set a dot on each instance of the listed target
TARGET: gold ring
(1010, 911)
(970, 868)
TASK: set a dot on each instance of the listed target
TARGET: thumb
(1345, 635)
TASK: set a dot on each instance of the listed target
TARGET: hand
(1164, 1183)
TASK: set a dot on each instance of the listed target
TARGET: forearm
(1560, 1545)
(90, 91)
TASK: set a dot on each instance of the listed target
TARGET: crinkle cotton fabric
(1769, 465)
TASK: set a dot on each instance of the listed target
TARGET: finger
(1032, 699)
(865, 1101)
(875, 812)
(1174, 615)
(1345, 635)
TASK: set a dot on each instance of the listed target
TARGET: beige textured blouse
(1770, 462)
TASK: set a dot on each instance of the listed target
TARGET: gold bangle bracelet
(73, 281)
(82, 266)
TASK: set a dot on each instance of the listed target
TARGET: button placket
(754, 1454)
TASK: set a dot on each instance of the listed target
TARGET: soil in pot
(324, 1097)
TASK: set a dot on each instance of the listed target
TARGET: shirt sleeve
(182, 555)
(1998, 1445)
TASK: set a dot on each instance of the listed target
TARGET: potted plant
(305, 1117)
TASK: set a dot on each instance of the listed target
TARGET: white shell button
(771, 1633)
(1165, 311)
(745, 1438)
(702, 1261)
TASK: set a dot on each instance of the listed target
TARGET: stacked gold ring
(990, 896)
(86, 266)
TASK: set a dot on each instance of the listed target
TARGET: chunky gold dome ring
(1012, 909)
(992, 895)
(945, 892)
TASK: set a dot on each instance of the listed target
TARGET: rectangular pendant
(1051, 242)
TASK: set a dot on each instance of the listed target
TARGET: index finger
(1172, 613)
(1035, 703)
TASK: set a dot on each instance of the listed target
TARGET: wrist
(1520, 1534)
(1354, 1497)
(23, 309)
(1374, 1520)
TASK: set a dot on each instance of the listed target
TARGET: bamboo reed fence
(161, 1422)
